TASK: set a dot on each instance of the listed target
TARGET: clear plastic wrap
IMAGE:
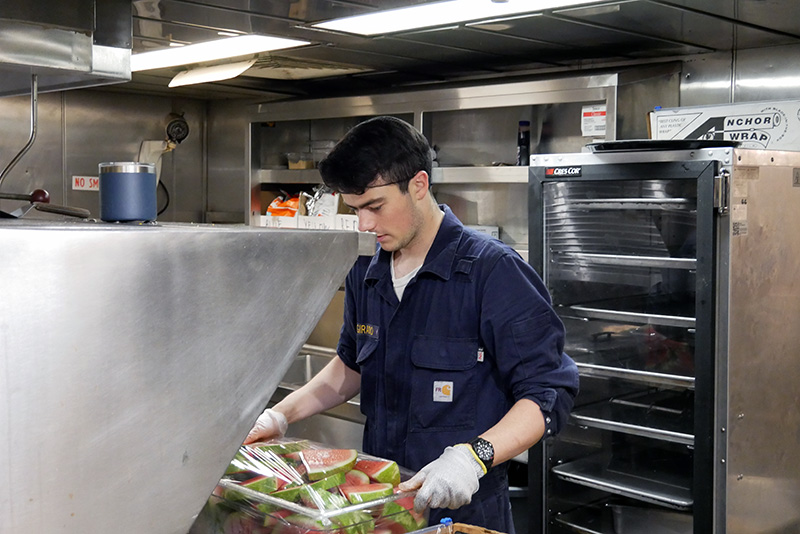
(296, 486)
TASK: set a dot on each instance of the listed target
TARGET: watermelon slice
(265, 484)
(274, 516)
(295, 493)
(241, 523)
(251, 482)
(238, 464)
(369, 492)
(321, 463)
(309, 523)
(408, 504)
(355, 477)
(324, 500)
(397, 513)
(285, 447)
(357, 522)
(387, 526)
(380, 470)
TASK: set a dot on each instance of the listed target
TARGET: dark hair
(382, 147)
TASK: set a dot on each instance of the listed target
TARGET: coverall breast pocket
(444, 383)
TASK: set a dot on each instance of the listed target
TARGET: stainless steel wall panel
(134, 359)
(707, 79)
(76, 130)
(763, 462)
(499, 204)
(767, 74)
(229, 149)
(102, 126)
(41, 166)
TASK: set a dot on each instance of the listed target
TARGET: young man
(448, 334)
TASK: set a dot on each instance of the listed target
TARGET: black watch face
(483, 449)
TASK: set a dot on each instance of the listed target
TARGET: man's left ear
(421, 183)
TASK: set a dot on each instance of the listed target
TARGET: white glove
(447, 482)
(269, 425)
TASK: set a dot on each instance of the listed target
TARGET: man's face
(388, 212)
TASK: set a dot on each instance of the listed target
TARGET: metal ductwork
(67, 43)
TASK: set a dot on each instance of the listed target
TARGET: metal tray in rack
(631, 145)
(669, 489)
(663, 415)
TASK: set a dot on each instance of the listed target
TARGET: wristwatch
(484, 450)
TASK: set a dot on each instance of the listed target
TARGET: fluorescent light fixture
(211, 74)
(210, 51)
(440, 14)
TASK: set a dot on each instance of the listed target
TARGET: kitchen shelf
(633, 375)
(288, 176)
(668, 489)
(633, 317)
(588, 520)
(480, 175)
(439, 175)
(663, 416)
(630, 204)
(654, 262)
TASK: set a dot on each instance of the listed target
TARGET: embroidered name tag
(367, 330)
(442, 391)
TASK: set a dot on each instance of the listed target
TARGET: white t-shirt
(401, 283)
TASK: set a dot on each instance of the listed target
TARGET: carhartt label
(442, 391)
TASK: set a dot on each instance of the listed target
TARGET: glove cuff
(279, 419)
(473, 459)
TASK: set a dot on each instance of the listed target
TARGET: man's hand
(270, 424)
(447, 482)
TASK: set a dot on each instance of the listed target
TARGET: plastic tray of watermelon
(290, 486)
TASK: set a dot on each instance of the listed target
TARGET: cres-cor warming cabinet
(675, 267)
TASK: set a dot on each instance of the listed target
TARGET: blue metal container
(128, 191)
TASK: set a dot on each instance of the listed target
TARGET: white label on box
(315, 223)
(739, 211)
(771, 125)
(86, 183)
(593, 120)
(347, 222)
(271, 221)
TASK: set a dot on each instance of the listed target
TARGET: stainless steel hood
(135, 358)
(68, 44)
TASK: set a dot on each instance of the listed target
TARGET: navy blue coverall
(474, 333)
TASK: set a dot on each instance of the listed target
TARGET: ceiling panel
(776, 15)
(616, 32)
(584, 40)
(489, 39)
(702, 31)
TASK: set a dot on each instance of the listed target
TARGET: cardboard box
(278, 222)
(463, 528)
(493, 231)
(347, 222)
(316, 223)
(762, 125)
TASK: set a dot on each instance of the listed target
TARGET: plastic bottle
(524, 143)
(445, 526)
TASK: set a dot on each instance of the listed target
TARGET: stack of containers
(289, 486)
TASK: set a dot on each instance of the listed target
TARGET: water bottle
(524, 143)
